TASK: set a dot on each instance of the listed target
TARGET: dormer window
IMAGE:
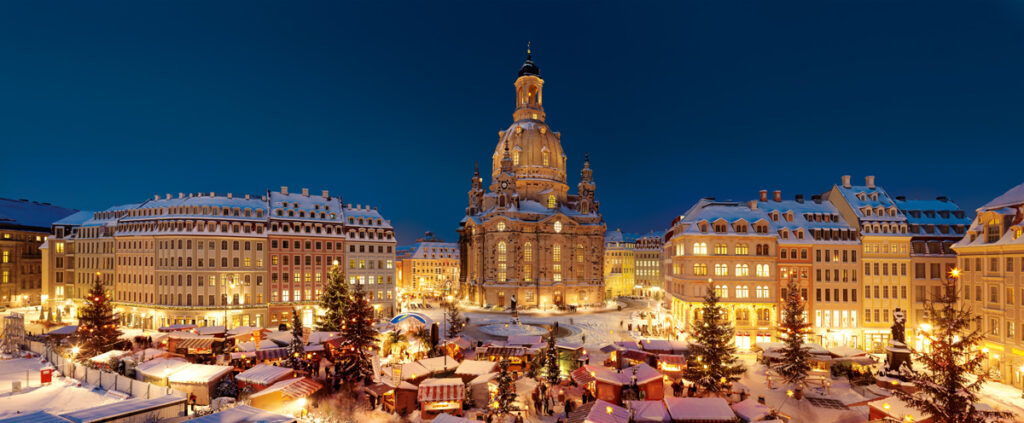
(992, 231)
(720, 228)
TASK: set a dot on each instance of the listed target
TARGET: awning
(505, 351)
(199, 343)
(301, 387)
(636, 355)
(441, 390)
(672, 359)
(582, 375)
(272, 354)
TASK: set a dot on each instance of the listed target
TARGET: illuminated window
(515, 158)
(680, 249)
(742, 270)
(7, 257)
(742, 250)
(501, 226)
(556, 258)
(722, 291)
(527, 262)
(502, 264)
(6, 276)
(552, 203)
(60, 248)
(700, 249)
(721, 269)
(558, 226)
(546, 160)
(579, 253)
(762, 292)
(743, 291)
(700, 269)
(763, 271)
(721, 249)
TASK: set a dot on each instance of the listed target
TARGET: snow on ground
(507, 329)
(61, 396)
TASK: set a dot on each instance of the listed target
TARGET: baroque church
(526, 239)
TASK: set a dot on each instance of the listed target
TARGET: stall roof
(177, 327)
(649, 411)
(242, 330)
(475, 367)
(446, 389)
(35, 417)
(250, 346)
(599, 411)
(320, 337)
(196, 342)
(585, 374)
(66, 330)
(243, 414)
(699, 410)
(439, 364)
(161, 367)
(897, 409)
(505, 351)
(149, 354)
(199, 373)
(107, 356)
(750, 410)
(299, 387)
(484, 378)
(263, 374)
(211, 330)
(122, 408)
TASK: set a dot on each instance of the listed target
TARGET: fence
(107, 380)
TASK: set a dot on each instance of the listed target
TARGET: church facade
(526, 239)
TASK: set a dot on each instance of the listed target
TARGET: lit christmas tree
(712, 364)
(358, 338)
(297, 347)
(454, 319)
(947, 388)
(333, 299)
(795, 356)
(551, 358)
(504, 397)
(97, 326)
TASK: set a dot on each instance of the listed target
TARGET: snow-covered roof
(1012, 197)
(618, 236)
(127, 407)
(199, 373)
(448, 418)
(414, 370)
(441, 389)
(107, 356)
(438, 364)
(66, 330)
(243, 414)
(242, 330)
(475, 367)
(319, 337)
(429, 250)
(161, 367)
(149, 354)
(665, 345)
(75, 219)
(649, 411)
(699, 409)
(484, 378)
(211, 330)
(250, 346)
(750, 410)
(34, 417)
(599, 411)
(523, 340)
(860, 197)
(299, 387)
(263, 374)
(30, 214)
(644, 374)
(897, 409)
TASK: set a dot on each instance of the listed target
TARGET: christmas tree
(333, 300)
(948, 386)
(97, 326)
(504, 397)
(358, 338)
(712, 364)
(795, 356)
(551, 358)
(454, 320)
(226, 387)
(297, 347)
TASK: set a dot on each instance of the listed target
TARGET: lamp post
(227, 300)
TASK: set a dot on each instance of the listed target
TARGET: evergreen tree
(454, 320)
(358, 338)
(947, 388)
(226, 387)
(712, 364)
(504, 397)
(795, 356)
(297, 347)
(551, 359)
(97, 326)
(333, 299)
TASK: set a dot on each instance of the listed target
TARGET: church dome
(529, 68)
(535, 150)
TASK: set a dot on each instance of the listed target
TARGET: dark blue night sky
(391, 103)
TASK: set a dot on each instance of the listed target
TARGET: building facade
(991, 259)
(212, 260)
(649, 252)
(429, 268)
(24, 226)
(619, 264)
(526, 237)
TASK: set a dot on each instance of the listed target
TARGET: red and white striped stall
(437, 396)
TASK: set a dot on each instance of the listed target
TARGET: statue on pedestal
(897, 354)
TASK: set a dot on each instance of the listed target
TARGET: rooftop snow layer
(700, 409)
(199, 373)
(1009, 198)
(31, 214)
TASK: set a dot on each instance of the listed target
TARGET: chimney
(846, 181)
(168, 196)
(246, 196)
(870, 181)
(213, 194)
(325, 194)
(284, 190)
(229, 195)
(181, 195)
(799, 198)
(942, 198)
(901, 198)
(777, 196)
(763, 195)
(305, 192)
(752, 204)
(816, 199)
(156, 197)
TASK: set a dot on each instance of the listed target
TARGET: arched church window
(558, 226)
(556, 258)
(502, 264)
(552, 203)
(546, 158)
(527, 262)
(515, 158)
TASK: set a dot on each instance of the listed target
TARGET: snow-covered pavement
(61, 396)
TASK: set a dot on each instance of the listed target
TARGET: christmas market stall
(244, 413)
(894, 409)
(649, 412)
(283, 396)
(103, 360)
(441, 396)
(198, 379)
(517, 356)
(400, 400)
(641, 382)
(672, 364)
(262, 376)
(471, 369)
(157, 370)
